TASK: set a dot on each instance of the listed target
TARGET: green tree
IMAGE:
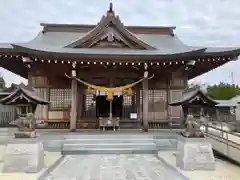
(223, 91)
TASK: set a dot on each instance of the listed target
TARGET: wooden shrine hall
(107, 55)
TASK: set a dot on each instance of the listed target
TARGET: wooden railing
(124, 124)
(65, 124)
(58, 125)
(166, 124)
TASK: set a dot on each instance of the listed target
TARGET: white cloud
(215, 23)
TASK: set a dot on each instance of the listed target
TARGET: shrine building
(109, 54)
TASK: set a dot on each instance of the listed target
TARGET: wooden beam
(46, 108)
(81, 91)
(138, 102)
(30, 79)
(73, 118)
(168, 97)
(145, 102)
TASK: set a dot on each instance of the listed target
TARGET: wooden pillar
(80, 103)
(138, 104)
(110, 104)
(145, 100)
(134, 101)
(73, 118)
(168, 98)
(46, 108)
(218, 115)
(30, 79)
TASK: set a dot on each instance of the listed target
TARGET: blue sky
(198, 22)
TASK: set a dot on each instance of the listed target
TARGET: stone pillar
(73, 118)
(145, 100)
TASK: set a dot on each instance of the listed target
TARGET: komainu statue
(26, 123)
(192, 127)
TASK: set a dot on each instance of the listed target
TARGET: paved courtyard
(113, 167)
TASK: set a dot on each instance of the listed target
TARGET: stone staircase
(114, 144)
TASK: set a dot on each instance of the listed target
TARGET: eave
(21, 93)
(189, 96)
(213, 59)
(218, 52)
(106, 54)
(14, 63)
(206, 60)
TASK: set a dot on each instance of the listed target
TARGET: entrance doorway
(103, 106)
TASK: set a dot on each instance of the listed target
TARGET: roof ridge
(52, 27)
(193, 88)
(92, 25)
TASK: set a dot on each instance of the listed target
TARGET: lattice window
(150, 104)
(127, 106)
(160, 104)
(89, 105)
(60, 98)
(178, 82)
(39, 81)
(157, 100)
(176, 111)
(39, 112)
(127, 100)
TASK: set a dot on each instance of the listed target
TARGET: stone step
(111, 145)
(116, 140)
(117, 143)
(108, 136)
(121, 136)
(125, 150)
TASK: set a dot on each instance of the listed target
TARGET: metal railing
(224, 142)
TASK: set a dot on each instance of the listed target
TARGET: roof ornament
(110, 12)
(110, 7)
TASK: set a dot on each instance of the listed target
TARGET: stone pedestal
(194, 154)
(26, 158)
(25, 134)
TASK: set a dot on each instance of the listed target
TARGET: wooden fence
(7, 115)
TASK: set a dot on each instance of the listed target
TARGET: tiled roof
(17, 91)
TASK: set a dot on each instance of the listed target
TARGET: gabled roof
(80, 42)
(77, 40)
(226, 103)
(194, 95)
(111, 27)
(21, 93)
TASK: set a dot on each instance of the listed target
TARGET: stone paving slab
(50, 159)
(224, 170)
(113, 167)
